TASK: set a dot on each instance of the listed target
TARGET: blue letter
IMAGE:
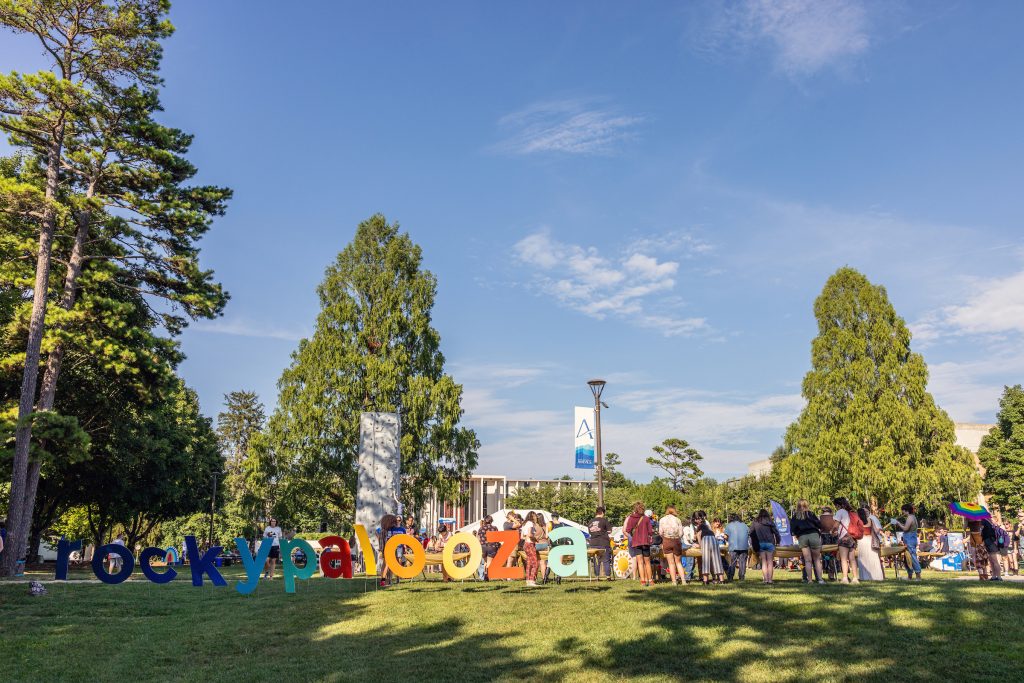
(253, 566)
(64, 550)
(203, 565)
(127, 565)
(153, 575)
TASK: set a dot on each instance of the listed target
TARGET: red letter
(509, 542)
(328, 557)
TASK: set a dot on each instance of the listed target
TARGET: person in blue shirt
(738, 535)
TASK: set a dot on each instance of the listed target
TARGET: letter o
(127, 563)
(419, 557)
(476, 553)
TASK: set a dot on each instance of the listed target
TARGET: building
(485, 494)
(759, 468)
(968, 435)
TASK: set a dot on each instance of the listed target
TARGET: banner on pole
(584, 438)
(782, 524)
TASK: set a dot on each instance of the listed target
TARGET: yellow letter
(475, 554)
(369, 559)
(419, 558)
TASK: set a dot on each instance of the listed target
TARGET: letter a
(577, 550)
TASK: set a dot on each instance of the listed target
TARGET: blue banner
(584, 419)
(782, 524)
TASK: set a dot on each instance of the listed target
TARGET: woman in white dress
(869, 558)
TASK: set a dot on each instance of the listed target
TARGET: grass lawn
(336, 630)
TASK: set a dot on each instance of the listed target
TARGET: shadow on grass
(784, 633)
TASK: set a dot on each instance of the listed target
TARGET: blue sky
(650, 193)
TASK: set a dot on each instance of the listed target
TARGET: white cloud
(568, 127)
(992, 309)
(517, 440)
(997, 305)
(241, 328)
(580, 278)
(969, 390)
(806, 36)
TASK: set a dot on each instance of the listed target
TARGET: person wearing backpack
(909, 529)
(849, 530)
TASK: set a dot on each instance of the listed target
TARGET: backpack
(856, 528)
(1002, 539)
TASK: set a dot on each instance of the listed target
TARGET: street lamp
(596, 387)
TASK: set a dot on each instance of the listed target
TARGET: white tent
(499, 519)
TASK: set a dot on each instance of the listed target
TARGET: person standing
(116, 561)
(807, 529)
(1012, 547)
(689, 540)
(599, 540)
(846, 542)
(765, 536)
(489, 549)
(869, 557)
(737, 536)
(543, 544)
(671, 529)
(711, 554)
(272, 534)
(528, 534)
(638, 526)
(909, 529)
(1009, 551)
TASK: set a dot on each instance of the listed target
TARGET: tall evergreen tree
(373, 349)
(1002, 452)
(239, 426)
(870, 429)
(111, 178)
(679, 460)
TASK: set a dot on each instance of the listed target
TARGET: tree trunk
(33, 548)
(21, 504)
(48, 392)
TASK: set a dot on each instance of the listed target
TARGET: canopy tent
(499, 518)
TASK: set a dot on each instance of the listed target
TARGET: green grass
(336, 630)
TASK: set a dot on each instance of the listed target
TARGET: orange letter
(509, 542)
(419, 558)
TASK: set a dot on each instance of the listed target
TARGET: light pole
(596, 387)
(213, 507)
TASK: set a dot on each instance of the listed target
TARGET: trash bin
(219, 562)
(19, 568)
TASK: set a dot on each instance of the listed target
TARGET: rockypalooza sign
(335, 560)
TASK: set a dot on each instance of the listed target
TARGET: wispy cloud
(567, 127)
(519, 439)
(806, 36)
(584, 280)
(242, 328)
(995, 306)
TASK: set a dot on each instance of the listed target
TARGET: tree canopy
(870, 429)
(679, 460)
(373, 349)
(1002, 452)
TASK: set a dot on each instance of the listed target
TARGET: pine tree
(373, 349)
(1002, 452)
(239, 426)
(870, 429)
(679, 460)
(110, 181)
